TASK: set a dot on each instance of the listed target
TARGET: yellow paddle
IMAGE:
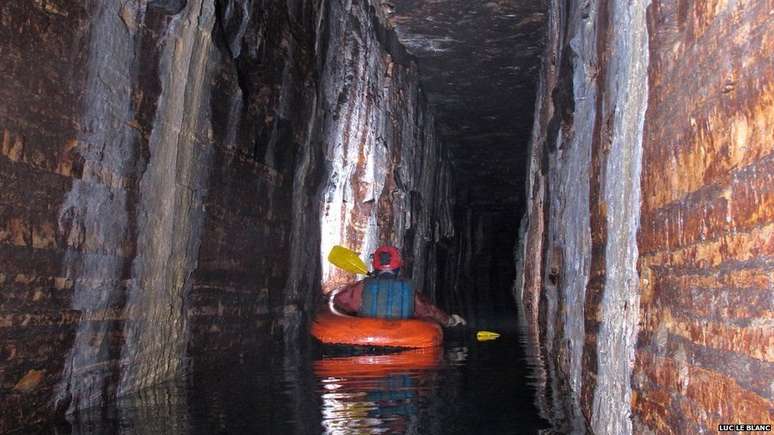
(486, 335)
(348, 260)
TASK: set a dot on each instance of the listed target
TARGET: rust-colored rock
(707, 218)
(389, 180)
(170, 170)
(30, 381)
(163, 166)
(699, 299)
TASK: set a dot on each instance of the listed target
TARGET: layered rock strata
(644, 269)
(169, 169)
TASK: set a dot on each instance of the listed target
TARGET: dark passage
(592, 179)
(176, 172)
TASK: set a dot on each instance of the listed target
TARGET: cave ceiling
(478, 63)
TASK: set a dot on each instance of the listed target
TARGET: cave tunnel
(593, 180)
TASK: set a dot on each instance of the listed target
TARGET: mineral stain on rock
(174, 173)
(30, 381)
(674, 241)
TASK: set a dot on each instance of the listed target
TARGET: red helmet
(386, 258)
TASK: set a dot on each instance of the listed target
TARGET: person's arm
(349, 298)
(424, 309)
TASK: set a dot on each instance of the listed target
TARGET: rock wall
(551, 286)
(390, 180)
(164, 166)
(644, 270)
(39, 163)
(704, 352)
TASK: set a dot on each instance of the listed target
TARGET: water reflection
(466, 387)
(373, 394)
(158, 410)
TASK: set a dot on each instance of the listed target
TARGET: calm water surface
(466, 387)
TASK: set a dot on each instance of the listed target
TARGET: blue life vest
(387, 298)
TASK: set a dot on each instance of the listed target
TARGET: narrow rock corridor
(592, 179)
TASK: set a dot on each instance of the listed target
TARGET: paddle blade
(348, 260)
(486, 335)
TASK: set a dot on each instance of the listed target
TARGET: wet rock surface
(389, 179)
(173, 173)
(671, 153)
(165, 173)
(478, 63)
(704, 349)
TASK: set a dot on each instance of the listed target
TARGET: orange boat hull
(362, 331)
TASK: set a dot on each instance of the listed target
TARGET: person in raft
(384, 295)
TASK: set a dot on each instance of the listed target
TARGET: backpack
(387, 298)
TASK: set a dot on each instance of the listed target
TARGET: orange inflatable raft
(332, 328)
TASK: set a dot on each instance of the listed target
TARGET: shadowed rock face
(172, 168)
(478, 63)
(646, 256)
(170, 171)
